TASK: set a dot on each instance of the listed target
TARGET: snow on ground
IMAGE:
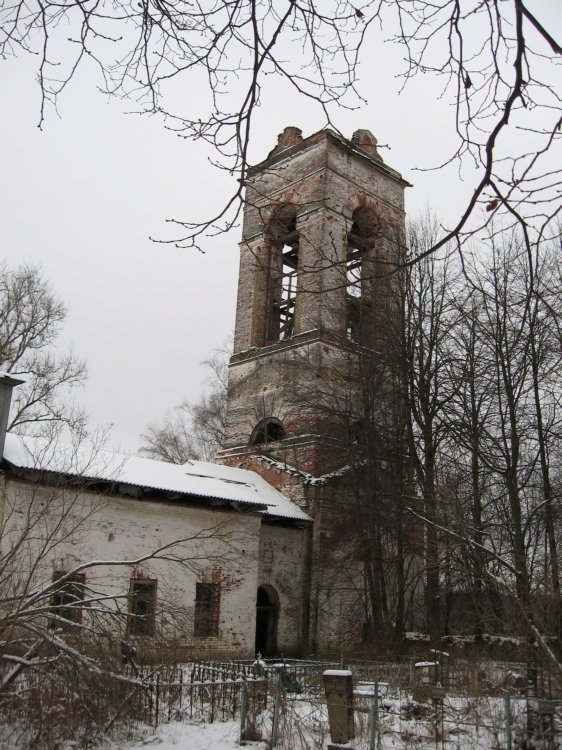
(176, 735)
(187, 735)
(456, 723)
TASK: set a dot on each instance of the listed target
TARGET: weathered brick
(316, 192)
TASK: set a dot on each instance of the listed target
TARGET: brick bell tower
(322, 233)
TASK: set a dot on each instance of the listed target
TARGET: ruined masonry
(323, 229)
(317, 557)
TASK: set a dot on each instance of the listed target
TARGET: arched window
(284, 240)
(269, 430)
(360, 241)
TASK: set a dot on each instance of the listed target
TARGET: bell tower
(323, 231)
(322, 238)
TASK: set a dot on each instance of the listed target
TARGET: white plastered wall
(57, 530)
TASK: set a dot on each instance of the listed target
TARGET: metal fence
(463, 676)
(207, 691)
(283, 702)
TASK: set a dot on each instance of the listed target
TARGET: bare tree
(31, 316)
(543, 287)
(429, 319)
(496, 62)
(172, 439)
(489, 57)
(468, 481)
(193, 430)
(519, 330)
(496, 386)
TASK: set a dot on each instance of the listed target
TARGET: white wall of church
(52, 531)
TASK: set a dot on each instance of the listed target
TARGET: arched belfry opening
(283, 239)
(267, 617)
(268, 430)
(360, 272)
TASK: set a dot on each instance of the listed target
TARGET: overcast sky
(83, 196)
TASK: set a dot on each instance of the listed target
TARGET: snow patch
(305, 477)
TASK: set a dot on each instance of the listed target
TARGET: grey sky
(82, 197)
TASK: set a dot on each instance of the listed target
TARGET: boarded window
(67, 599)
(207, 609)
(142, 606)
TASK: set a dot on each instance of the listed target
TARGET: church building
(296, 540)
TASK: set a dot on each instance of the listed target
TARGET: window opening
(142, 606)
(354, 282)
(284, 265)
(360, 241)
(267, 431)
(207, 610)
(66, 601)
(354, 272)
(289, 267)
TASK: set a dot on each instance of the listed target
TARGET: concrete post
(338, 684)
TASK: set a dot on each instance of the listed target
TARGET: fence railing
(463, 676)
(282, 701)
(206, 692)
(445, 702)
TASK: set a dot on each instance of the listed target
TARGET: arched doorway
(267, 615)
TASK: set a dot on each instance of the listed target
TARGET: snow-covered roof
(194, 478)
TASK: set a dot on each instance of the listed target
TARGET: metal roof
(195, 478)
